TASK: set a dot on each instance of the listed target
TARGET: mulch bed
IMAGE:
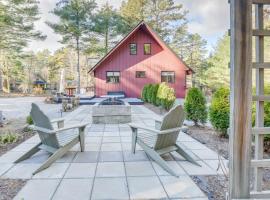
(10, 187)
(18, 127)
(211, 139)
(217, 186)
(213, 186)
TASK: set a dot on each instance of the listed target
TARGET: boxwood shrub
(148, 93)
(144, 91)
(195, 106)
(154, 90)
(219, 111)
(159, 95)
(165, 96)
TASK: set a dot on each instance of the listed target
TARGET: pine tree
(17, 19)
(108, 26)
(164, 16)
(218, 74)
(75, 19)
(134, 11)
(195, 56)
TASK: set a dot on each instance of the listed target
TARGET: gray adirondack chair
(55, 141)
(161, 139)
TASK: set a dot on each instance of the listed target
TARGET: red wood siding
(161, 59)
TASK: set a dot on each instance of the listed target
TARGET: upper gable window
(147, 49)
(133, 48)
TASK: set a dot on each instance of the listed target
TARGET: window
(140, 74)
(147, 49)
(133, 48)
(168, 77)
(113, 77)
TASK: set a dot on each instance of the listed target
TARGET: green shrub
(144, 91)
(29, 120)
(160, 93)
(154, 90)
(219, 111)
(195, 106)
(148, 93)
(8, 138)
(165, 96)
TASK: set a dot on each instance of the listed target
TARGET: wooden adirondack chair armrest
(71, 127)
(59, 121)
(138, 126)
(43, 130)
(170, 130)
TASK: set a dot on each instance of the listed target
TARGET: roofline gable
(135, 29)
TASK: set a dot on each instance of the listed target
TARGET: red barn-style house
(139, 58)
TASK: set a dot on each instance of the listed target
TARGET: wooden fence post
(240, 98)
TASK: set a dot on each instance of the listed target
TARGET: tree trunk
(78, 68)
(1, 81)
(106, 40)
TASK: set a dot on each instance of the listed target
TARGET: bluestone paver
(38, 189)
(81, 170)
(110, 188)
(146, 188)
(140, 168)
(110, 169)
(74, 189)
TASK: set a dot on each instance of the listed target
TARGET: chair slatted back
(42, 121)
(173, 119)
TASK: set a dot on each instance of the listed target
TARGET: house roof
(134, 30)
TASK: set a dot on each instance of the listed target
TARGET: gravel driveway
(19, 107)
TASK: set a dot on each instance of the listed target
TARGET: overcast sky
(209, 18)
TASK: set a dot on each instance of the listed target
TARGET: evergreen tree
(134, 11)
(75, 18)
(195, 106)
(164, 16)
(196, 56)
(218, 74)
(108, 25)
(17, 19)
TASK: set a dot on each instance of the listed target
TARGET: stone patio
(107, 169)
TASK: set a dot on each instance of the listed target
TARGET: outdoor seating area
(108, 169)
(134, 99)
